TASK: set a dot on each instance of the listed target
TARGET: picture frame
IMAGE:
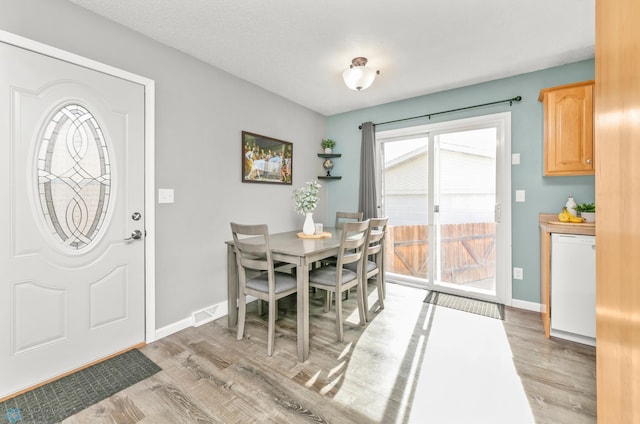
(266, 160)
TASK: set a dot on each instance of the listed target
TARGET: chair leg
(380, 288)
(339, 329)
(327, 301)
(272, 327)
(261, 307)
(242, 313)
(365, 298)
(361, 309)
(383, 283)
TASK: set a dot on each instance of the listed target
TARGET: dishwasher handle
(574, 239)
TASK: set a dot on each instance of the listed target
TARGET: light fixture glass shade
(357, 76)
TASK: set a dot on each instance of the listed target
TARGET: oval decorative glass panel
(74, 177)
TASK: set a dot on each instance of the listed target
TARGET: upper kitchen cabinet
(568, 129)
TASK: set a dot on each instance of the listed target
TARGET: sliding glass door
(405, 196)
(444, 188)
(464, 213)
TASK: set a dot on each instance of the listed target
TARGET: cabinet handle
(589, 161)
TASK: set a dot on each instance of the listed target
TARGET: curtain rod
(429, 115)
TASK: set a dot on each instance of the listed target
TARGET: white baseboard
(172, 328)
(197, 318)
(529, 306)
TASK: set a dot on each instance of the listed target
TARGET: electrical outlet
(517, 273)
(165, 195)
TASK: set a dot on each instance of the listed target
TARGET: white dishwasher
(573, 287)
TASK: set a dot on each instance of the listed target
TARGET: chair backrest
(251, 244)
(377, 230)
(353, 243)
(342, 217)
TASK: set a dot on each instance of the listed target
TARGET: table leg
(302, 271)
(232, 287)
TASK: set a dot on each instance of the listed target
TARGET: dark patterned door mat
(69, 395)
(479, 307)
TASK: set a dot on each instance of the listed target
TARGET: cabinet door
(568, 137)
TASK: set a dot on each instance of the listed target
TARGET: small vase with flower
(306, 200)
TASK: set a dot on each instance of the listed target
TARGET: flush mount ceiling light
(357, 77)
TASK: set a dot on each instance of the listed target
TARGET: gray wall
(200, 113)
(543, 194)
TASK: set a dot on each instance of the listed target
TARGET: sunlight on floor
(467, 373)
(448, 366)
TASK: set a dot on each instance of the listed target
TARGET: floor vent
(204, 316)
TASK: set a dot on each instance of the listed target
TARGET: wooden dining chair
(336, 279)
(342, 217)
(257, 276)
(373, 264)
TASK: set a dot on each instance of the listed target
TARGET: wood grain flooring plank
(296, 405)
(374, 376)
(162, 349)
(209, 352)
(258, 386)
(226, 407)
(123, 410)
(181, 406)
(97, 414)
(559, 406)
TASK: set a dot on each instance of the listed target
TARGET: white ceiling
(299, 49)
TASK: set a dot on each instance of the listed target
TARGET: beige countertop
(549, 223)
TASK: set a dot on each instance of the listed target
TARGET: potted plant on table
(587, 211)
(328, 145)
(306, 200)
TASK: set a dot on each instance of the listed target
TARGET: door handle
(135, 235)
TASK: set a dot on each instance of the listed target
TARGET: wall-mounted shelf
(325, 164)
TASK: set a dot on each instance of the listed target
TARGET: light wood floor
(413, 363)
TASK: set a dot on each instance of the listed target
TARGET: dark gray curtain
(368, 202)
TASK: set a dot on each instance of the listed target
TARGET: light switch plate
(517, 273)
(515, 159)
(519, 195)
(165, 195)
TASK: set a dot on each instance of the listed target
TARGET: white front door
(72, 189)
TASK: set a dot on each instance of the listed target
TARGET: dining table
(288, 248)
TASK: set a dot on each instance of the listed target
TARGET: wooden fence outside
(468, 251)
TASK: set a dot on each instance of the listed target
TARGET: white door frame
(504, 292)
(149, 153)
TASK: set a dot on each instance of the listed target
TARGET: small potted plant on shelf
(587, 211)
(328, 145)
